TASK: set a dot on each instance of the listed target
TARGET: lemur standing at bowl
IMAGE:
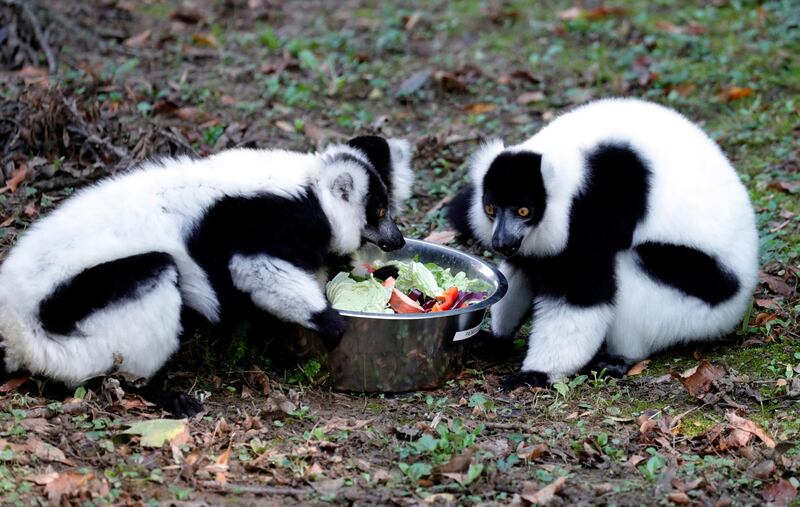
(622, 224)
(99, 284)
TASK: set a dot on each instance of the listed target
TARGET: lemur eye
(489, 208)
(523, 212)
(381, 212)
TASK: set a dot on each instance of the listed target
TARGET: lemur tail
(123, 313)
(458, 213)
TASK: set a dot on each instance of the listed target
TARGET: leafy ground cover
(138, 78)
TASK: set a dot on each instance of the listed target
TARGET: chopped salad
(404, 287)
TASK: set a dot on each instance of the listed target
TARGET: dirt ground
(90, 88)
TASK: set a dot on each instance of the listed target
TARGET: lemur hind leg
(287, 292)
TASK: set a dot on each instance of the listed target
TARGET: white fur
(564, 337)
(696, 199)
(507, 314)
(402, 175)
(152, 208)
(278, 287)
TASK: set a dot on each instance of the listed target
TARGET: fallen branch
(75, 407)
(52, 66)
(255, 490)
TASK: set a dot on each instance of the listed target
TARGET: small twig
(505, 426)
(75, 407)
(255, 490)
(52, 66)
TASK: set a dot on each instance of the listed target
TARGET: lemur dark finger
(179, 405)
(330, 326)
(385, 272)
(529, 378)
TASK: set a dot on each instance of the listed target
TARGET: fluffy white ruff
(154, 207)
(402, 174)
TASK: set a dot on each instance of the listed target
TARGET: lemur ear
(342, 186)
(377, 151)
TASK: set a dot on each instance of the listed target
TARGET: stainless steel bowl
(405, 352)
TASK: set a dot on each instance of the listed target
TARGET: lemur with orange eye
(99, 284)
(625, 230)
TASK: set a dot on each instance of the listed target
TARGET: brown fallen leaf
(188, 14)
(785, 186)
(781, 492)
(47, 452)
(71, 484)
(678, 498)
(529, 97)
(638, 368)
(530, 452)
(17, 177)
(285, 126)
(736, 93)
(573, 12)
(42, 479)
(457, 464)
(205, 40)
(545, 495)
(441, 237)
(222, 462)
(278, 404)
(14, 383)
(766, 303)
(605, 11)
(479, 108)
(138, 40)
(776, 284)
(256, 377)
(449, 82)
(749, 426)
(700, 379)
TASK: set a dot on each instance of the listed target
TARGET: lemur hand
(530, 378)
(330, 326)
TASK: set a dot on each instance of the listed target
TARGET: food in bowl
(404, 286)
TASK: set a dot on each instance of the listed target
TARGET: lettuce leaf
(445, 279)
(369, 295)
(414, 275)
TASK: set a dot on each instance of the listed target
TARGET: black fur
(100, 286)
(458, 212)
(608, 364)
(689, 270)
(330, 326)
(602, 220)
(295, 230)
(514, 180)
(529, 378)
(379, 154)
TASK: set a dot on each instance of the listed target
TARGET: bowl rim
(497, 295)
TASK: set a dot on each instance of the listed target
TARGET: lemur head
(510, 197)
(361, 187)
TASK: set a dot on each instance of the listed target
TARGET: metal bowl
(405, 352)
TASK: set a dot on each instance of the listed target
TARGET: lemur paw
(330, 326)
(610, 365)
(613, 370)
(180, 405)
(530, 378)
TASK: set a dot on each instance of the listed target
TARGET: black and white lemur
(623, 225)
(99, 284)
